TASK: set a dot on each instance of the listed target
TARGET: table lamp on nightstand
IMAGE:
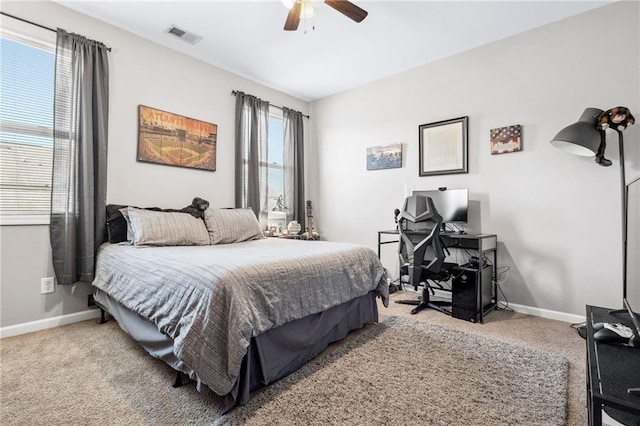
(587, 137)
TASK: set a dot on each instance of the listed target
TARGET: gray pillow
(166, 228)
(125, 214)
(231, 225)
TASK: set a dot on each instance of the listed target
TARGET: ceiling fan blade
(293, 18)
(348, 9)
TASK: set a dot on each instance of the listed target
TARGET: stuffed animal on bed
(196, 208)
(618, 118)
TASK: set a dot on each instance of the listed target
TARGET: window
(276, 201)
(26, 126)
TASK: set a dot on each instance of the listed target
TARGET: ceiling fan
(297, 8)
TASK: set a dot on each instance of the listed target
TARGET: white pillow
(166, 228)
(231, 225)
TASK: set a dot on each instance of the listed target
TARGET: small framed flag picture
(506, 139)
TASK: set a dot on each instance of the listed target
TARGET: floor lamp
(587, 137)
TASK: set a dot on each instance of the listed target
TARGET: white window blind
(26, 127)
(276, 203)
(275, 162)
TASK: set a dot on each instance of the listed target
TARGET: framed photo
(176, 140)
(443, 147)
(384, 157)
(506, 139)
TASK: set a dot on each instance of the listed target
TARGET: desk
(393, 232)
(482, 244)
(611, 370)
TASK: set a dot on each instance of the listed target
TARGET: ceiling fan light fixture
(303, 9)
(307, 10)
(288, 3)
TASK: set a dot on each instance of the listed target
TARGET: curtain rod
(235, 92)
(37, 25)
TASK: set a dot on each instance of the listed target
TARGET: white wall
(144, 73)
(557, 216)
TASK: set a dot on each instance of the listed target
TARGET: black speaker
(464, 297)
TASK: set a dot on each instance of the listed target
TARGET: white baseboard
(524, 309)
(29, 327)
(546, 313)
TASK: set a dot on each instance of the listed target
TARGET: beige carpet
(87, 373)
(407, 372)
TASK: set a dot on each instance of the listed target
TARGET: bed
(239, 316)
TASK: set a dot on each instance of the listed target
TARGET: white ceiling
(246, 37)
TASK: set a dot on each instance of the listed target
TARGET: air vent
(184, 35)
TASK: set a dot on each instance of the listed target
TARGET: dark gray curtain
(79, 183)
(294, 165)
(252, 118)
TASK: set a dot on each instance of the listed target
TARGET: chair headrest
(419, 208)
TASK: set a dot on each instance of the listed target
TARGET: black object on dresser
(612, 369)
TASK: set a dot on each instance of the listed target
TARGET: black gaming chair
(421, 251)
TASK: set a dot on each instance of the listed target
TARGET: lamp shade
(582, 137)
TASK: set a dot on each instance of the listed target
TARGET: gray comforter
(212, 299)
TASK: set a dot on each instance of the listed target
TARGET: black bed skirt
(282, 350)
(271, 355)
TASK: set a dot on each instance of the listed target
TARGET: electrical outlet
(47, 285)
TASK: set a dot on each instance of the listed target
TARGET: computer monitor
(452, 204)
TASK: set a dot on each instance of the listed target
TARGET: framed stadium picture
(176, 140)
